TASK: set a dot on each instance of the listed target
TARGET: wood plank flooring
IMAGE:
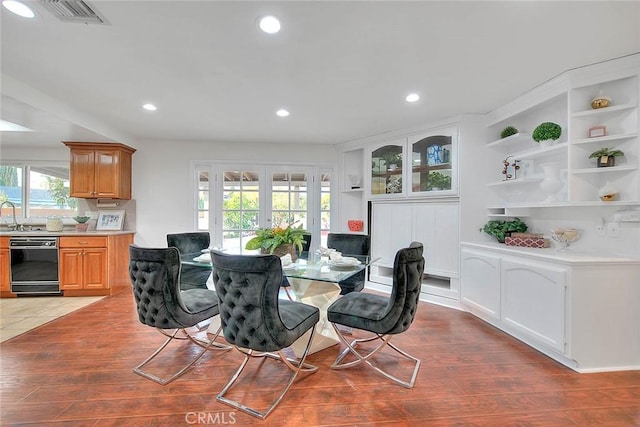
(76, 371)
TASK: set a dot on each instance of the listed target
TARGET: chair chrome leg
(385, 341)
(175, 335)
(296, 366)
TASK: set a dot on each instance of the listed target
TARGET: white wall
(162, 178)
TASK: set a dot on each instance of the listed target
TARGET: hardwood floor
(76, 371)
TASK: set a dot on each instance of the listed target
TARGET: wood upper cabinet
(100, 170)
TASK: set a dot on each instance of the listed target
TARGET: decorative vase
(546, 143)
(551, 182)
(355, 224)
(606, 161)
(82, 226)
(282, 250)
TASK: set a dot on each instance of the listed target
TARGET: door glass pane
(431, 169)
(386, 170)
(325, 208)
(289, 199)
(203, 200)
(240, 206)
(10, 190)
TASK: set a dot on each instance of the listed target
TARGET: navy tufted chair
(160, 303)
(255, 320)
(384, 316)
(192, 277)
(350, 244)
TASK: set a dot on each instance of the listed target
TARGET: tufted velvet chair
(350, 244)
(384, 316)
(255, 320)
(192, 277)
(162, 305)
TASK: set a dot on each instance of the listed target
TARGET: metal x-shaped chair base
(360, 358)
(180, 334)
(296, 366)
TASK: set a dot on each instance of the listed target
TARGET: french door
(234, 200)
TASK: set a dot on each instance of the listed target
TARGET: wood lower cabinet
(5, 288)
(94, 265)
(100, 170)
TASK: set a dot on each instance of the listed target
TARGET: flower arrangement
(81, 219)
(269, 239)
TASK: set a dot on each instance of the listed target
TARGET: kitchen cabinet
(5, 285)
(83, 263)
(94, 265)
(100, 170)
(579, 309)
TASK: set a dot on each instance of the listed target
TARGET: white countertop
(569, 256)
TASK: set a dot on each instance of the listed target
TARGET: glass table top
(319, 268)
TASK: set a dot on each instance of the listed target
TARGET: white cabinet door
(391, 231)
(481, 283)
(436, 226)
(533, 301)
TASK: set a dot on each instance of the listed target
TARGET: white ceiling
(341, 68)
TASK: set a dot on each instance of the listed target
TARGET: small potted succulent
(508, 131)
(82, 224)
(546, 133)
(606, 157)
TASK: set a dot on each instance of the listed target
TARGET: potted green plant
(508, 131)
(438, 181)
(278, 241)
(501, 229)
(605, 157)
(547, 132)
(81, 222)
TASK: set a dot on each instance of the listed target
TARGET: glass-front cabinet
(387, 168)
(418, 165)
(433, 161)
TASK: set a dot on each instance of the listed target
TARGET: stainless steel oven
(34, 265)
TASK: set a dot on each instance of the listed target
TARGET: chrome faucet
(13, 226)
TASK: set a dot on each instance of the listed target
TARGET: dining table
(314, 281)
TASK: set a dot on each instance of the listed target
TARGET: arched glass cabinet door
(386, 169)
(434, 162)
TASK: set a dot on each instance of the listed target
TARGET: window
(37, 190)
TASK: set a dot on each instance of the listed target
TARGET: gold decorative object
(600, 102)
(609, 197)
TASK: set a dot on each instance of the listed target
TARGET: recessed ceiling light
(269, 24)
(149, 107)
(18, 8)
(282, 113)
(412, 97)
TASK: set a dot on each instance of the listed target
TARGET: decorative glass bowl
(565, 236)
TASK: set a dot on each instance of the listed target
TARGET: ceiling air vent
(73, 11)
